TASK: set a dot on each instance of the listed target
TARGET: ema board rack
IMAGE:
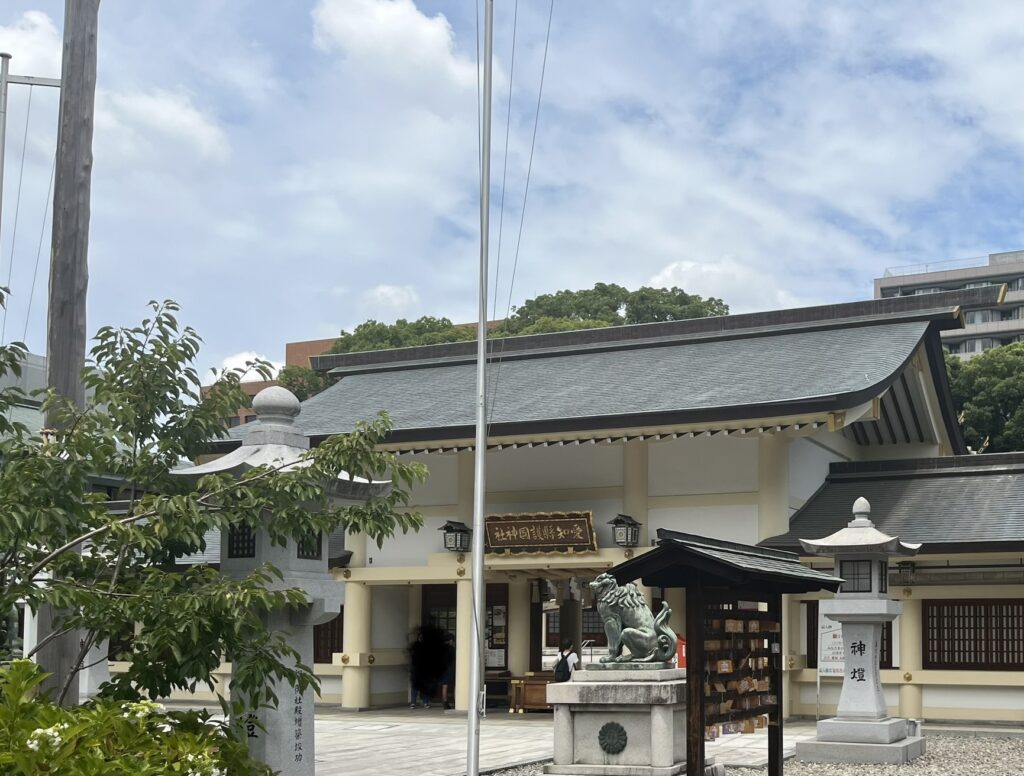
(742, 651)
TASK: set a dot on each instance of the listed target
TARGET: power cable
(522, 214)
(39, 248)
(504, 172)
(17, 209)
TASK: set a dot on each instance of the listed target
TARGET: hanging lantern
(626, 530)
(456, 536)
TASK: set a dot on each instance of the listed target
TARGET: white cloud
(390, 301)
(239, 360)
(393, 38)
(745, 287)
(136, 125)
(34, 44)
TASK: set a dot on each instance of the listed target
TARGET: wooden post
(694, 681)
(69, 272)
(775, 720)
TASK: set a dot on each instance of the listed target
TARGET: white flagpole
(476, 687)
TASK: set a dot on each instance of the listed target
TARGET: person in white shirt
(566, 662)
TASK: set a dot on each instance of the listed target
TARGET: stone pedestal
(626, 721)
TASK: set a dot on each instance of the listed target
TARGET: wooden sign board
(545, 532)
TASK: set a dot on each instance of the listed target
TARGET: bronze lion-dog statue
(630, 625)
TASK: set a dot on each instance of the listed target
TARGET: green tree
(374, 335)
(989, 392)
(302, 381)
(144, 415)
(653, 305)
(606, 304)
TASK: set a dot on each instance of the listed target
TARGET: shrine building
(757, 428)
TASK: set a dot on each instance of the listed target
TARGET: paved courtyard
(430, 742)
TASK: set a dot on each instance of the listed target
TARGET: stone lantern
(282, 737)
(862, 730)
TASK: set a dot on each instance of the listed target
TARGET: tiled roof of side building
(760, 365)
(959, 503)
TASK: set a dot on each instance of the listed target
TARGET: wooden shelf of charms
(742, 646)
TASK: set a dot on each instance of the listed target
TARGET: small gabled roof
(687, 560)
(964, 503)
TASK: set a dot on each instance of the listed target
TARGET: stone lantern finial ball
(275, 402)
(861, 506)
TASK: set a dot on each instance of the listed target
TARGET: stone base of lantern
(875, 731)
(881, 741)
(896, 753)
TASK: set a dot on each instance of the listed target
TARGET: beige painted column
(463, 639)
(519, 626)
(772, 485)
(634, 486)
(464, 498)
(676, 598)
(355, 678)
(911, 701)
(791, 611)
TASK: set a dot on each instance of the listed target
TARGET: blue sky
(288, 169)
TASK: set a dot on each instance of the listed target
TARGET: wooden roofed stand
(733, 623)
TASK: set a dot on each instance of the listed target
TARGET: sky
(288, 169)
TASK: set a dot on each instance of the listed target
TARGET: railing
(937, 266)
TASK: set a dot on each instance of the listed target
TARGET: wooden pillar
(695, 681)
(570, 620)
(775, 718)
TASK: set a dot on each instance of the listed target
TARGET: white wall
(718, 464)
(410, 549)
(390, 617)
(734, 523)
(808, 467)
(555, 468)
(388, 631)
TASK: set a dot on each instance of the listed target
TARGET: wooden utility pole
(69, 273)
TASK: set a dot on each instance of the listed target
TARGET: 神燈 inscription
(564, 532)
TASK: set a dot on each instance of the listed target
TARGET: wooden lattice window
(977, 635)
(241, 541)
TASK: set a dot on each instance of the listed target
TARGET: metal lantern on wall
(626, 530)
(456, 536)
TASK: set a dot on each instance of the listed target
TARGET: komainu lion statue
(630, 625)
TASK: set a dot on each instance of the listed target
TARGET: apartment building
(984, 329)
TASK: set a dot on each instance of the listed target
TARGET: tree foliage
(109, 738)
(374, 335)
(302, 381)
(606, 304)
(144, 415)
(989, 391)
